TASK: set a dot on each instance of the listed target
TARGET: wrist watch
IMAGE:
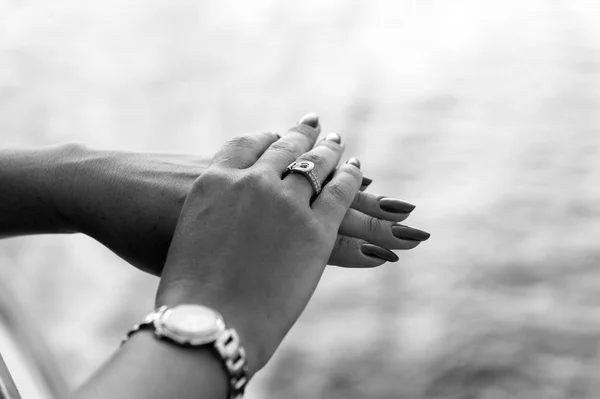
(195, 325)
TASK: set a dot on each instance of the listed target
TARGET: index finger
(298, 140)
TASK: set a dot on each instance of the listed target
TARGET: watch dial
(193, 319)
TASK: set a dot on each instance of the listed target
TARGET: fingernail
(409, 233)
(394, 205)
(366, 182)
(354, 161)
(334, 137)
(311, 119)
(277, 134)
(378, 252)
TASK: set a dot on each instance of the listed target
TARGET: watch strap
(146, 324)
(233, 354)
(227, 346)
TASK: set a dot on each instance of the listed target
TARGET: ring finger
(324, 156)
(381, 232)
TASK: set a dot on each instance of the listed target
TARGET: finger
(242, 152)
(356, 253)
(335, 199)
(381, 232)
(366, 182)
(325, 157)
(294, 143)
(382, 207)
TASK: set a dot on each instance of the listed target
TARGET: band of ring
(305, 168)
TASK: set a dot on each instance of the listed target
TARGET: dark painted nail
(409, 233)
(310, 119)
(334, 137)
(378, 252)
(395, 205)
(366, 182)
(354, 161)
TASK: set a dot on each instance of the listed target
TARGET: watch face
(192, 324)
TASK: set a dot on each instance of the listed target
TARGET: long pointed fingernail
(366, 182)
(354, 161)
(378, 252)
(394, 205)
(334, 137)
(409, 233)
(311, 119)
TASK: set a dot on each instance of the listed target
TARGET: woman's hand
(250, 244)
(130, 202)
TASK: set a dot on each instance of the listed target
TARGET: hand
(130, 202)
(250, 244)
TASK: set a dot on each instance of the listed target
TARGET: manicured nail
(394, 205)
(334, 137)
(378, 252)
(409, 233)
(310, 119)
(277, 134)
(366, 182)
(354, 161)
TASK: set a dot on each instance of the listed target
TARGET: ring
(305, 168)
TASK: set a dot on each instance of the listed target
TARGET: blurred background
(483, 113)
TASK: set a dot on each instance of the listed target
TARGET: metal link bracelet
(227, 345)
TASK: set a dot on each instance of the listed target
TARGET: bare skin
(239, 238)
(131, 202)
(258, 263)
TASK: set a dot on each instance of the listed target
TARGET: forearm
(31, 187)
(130, 202)
(148, 368)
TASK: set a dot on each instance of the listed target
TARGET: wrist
(64, 166)
(76, 167)
(147, 367)
(252, 339)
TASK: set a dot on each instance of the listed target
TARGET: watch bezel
(188, 338)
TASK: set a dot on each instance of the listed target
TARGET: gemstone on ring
(305, 168)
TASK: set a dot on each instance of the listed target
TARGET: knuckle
(340, 191)
(210, 178)
(294, 209)
(73, 148)
(285, 148)
(254, 179)
(315, 158)
(245, 141)
(291, 200)
(373, 224)
(359, 201)
(304, 130)
(343, 243)
(272, 136)
(354, 172)
(332, 145)
(347, 250)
